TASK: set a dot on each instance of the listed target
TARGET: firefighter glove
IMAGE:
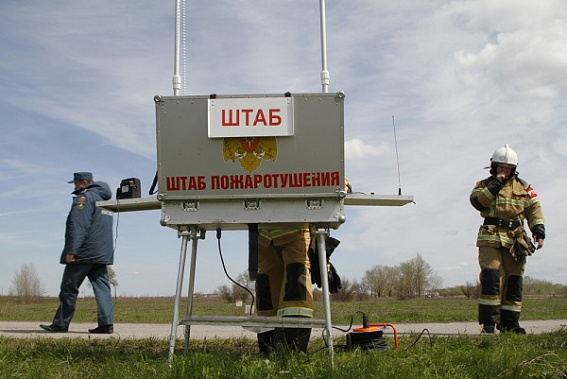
(334, 279)
(493, 185)
(330, 245)
(539, 231)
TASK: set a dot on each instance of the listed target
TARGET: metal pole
(191, 290)
(176, 77)
(183, 253)
(179, 288)
(324, 73)
(321, 234)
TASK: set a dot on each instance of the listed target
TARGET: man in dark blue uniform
(87, 252)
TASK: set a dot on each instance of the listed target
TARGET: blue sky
(462, 78)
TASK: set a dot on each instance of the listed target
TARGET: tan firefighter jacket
(515, 201)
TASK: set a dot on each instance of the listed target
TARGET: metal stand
(194, 234)
(186, 235)
(320, 235)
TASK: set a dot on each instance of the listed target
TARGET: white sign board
(250, 117)
(283, 164)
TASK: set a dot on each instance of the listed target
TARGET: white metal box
(275, 160)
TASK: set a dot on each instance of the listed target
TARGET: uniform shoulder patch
(531, 192)
(81, 202)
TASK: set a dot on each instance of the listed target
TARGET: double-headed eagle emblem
(249, 152)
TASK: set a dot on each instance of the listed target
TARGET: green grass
(466, 356)
(504, 356)
(160, 310)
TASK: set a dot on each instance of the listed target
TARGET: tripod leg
(179, 288)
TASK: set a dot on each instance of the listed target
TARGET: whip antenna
(179, 7)
(184, 44)
(324, 72)
(397, 158)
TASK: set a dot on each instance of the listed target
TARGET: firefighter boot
(510, 322)
(297, 339)
(266, 341)
(292, 339)
(489, 318)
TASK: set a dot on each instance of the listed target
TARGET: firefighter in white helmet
(504, 201)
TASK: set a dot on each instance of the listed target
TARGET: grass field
(492, 356)
(160, 310)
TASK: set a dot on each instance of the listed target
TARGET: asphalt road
(162, 331)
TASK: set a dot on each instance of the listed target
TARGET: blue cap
(80, 176)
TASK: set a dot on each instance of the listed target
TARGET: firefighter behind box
(287, 263)
(283, 285)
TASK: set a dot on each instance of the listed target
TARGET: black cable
(419, 337)
(153, 190)
(349, 327)
(368, 342)
(364, 319)
(228, 276)
(114, 248)
(117, 222)
(339, 329)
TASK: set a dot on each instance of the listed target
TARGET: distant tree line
(531, 286)
(407, 280)
(410, 279)
(413, 278)
(238, 291)
(27, 287)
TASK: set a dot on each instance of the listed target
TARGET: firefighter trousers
(500, 284)
(283, 284)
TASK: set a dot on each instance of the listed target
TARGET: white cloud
(357, 149)
(520, 46)
(521, 63)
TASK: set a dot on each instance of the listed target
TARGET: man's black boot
(510, 322)
(266, 341)
(297, 339)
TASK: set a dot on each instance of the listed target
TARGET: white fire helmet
(505, 156)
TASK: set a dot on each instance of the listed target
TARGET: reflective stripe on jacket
(515, 201)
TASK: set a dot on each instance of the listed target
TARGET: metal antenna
(324, 73)
(397, 158)
(176, 76)
(184, 43)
